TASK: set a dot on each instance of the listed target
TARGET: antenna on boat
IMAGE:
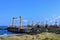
(28, 22)
(55, 22)
(46, 25)
(32, 23)
(20, 22)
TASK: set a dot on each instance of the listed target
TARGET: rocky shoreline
(42, 36)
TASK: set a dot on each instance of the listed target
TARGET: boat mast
(13, 22)
(20, 22)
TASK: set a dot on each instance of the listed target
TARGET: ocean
(4, 31)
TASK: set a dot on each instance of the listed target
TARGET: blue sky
(37, 10)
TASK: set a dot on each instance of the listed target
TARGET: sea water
(4, 31)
